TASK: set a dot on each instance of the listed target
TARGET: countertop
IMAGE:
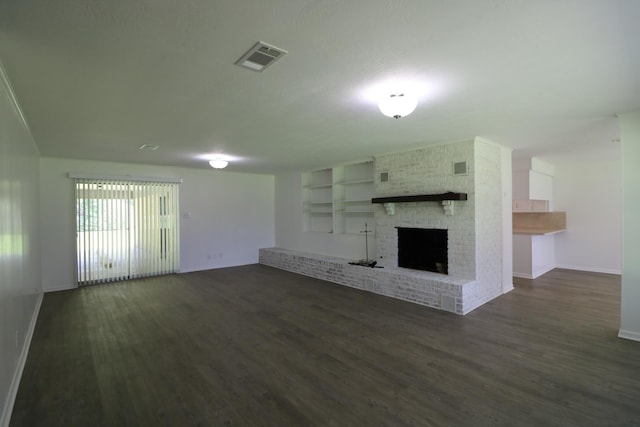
(538, 231)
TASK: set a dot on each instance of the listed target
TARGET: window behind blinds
(125, 229)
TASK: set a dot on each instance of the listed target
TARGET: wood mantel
(421, 198)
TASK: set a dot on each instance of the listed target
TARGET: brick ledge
(420, 287)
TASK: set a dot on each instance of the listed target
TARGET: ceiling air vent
(260, 56)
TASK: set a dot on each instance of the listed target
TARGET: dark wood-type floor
(258, 346)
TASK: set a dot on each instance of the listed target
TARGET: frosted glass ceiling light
(397, 105)
(218, 163)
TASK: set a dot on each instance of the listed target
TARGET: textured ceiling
(98, 79)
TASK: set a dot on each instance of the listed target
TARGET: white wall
(630, 314)
(20, 288)
(289, 234)
(225, 217)
(587, 186)
(522, 256)
(543, 254)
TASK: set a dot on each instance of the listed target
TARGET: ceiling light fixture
(397, 105)
(218, 163)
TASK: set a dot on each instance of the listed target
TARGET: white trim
(568, 267)
(505, 291)
(534, 275)
(4, 80)
(629, 335)
(22, 360)
(543, 271)
(591, 269)
(84, 175)
(61, 288)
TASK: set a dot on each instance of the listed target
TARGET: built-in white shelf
(338, 200)
(353, 198)
(318, 201)
(365, 213)
(312, 187)
(358, 182)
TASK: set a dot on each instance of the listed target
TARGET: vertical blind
(125, 229)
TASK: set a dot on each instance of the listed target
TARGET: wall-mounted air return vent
(260, 56)
(460, 168)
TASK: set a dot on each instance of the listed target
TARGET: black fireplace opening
(423, 249)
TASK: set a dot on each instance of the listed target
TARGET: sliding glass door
(125, 229)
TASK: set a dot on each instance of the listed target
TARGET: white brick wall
(427, 171)
(488, 189)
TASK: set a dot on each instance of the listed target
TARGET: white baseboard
(15, 383)
(543, 271)
(533, 275)
(590, 269)
(568, 267)
(629, 335)
(507, 290)
(62, 288)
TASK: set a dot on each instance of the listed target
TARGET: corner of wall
(490, 200)
(630, 304)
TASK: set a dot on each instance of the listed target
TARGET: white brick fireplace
(474, 226)
(428, 171)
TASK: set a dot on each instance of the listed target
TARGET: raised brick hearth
(421, 287)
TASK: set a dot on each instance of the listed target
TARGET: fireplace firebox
(423, 249)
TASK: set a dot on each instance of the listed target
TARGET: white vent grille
(260, 56)
(460, 168)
